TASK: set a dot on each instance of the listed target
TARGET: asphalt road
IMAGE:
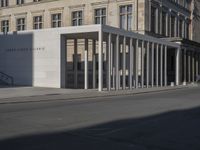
(157, 121)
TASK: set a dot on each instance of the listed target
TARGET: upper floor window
(126, 17)
(173, 34)
(37, 22)
(20, 2)
(37, 0)
(4, 3)
(4, 26)
(180, 28)
(100, 16)
(187, 30)
(21, 24)
(77, 18)
(56, 20)
(153, 19)
(164, 22)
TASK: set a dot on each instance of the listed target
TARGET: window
(20, 24)
(164, 22)
(187, 30)
(126, 17)
(77, 18)
(180, 28)
(37, 22)
(100, 16)
(56, 20)
(4, 3)
(20, 2)
(37, 0)
(153, 19)
(4, 26)
(172, 26)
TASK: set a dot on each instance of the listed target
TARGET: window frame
(5, 27)
(101, 15)
(126, 14)
(39, 23)
(77, 18)
(58, 22)
(22, 25)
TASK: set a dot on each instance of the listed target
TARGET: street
(154, 121)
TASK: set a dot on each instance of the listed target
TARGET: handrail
(6, 78)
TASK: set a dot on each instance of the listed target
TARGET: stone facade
(140, 21)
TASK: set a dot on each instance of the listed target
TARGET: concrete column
(147, 66)
(112, 66)
(189, 67)
(161, 66)
(157, 64)
(152, 65)
(136, 62)
(142, 64)
(185, 67)
(124, 64)
(178, 54)
(100, 46)
(63, 43)
(75, 64)
(131, 64)
(198, 63)
(86, 65)
(193, 67)
(109, 62)
(117, 63)
(197, 67)
(94, 63)
(165, 66)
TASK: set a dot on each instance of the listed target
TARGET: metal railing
(6, 79)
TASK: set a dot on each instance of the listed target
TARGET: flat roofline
(101, 28)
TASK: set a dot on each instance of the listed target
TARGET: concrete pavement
(20, 94)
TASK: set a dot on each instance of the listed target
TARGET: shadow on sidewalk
(176, 130)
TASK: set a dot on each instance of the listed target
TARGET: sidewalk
(36, 94)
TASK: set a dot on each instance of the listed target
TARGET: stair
(6, 80)
(3, 84)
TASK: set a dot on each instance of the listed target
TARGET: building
(139, 43)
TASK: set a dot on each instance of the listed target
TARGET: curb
(99, 95)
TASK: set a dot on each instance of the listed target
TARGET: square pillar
(117, 63)
(157, 64)
(165, 65)
(152, 65)
(136, 62)
(108, 63)
(94, 63)
(124, 64)
(189, 67)
(75, 64)
(193, 66)
(147, 66)
(185, 67)
(178, 54)
(161, 66)
(131, 63)
(86, 65)
(100, 71)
